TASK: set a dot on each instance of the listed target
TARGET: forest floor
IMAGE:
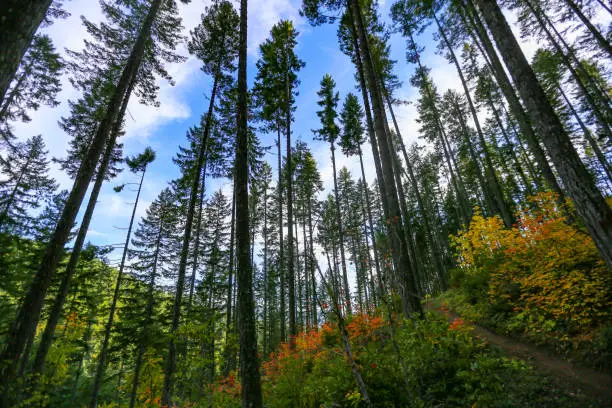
(579, 380)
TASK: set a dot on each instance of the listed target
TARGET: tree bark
(399, 246)
(249, 361)
(345, 284)
(513, 101)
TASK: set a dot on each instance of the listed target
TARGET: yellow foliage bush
(544, 272)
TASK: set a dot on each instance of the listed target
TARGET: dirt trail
(592, 382)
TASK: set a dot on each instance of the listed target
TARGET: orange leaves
(544, 269)
(363, 325)
(457, 324)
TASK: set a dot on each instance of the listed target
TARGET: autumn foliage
(543, 278)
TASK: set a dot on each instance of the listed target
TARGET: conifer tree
(276, 89)
(37, 82)
(26, 183)
(214, 42)
(20, 20)
(154, 248)
(136, 164)
(249, 361)
(330, 132)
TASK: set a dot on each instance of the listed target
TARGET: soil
(565, 374)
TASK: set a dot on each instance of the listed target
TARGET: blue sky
(164, 128)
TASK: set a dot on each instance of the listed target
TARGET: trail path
(591, 382)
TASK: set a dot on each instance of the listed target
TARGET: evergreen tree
(25, 185)
(249, 361)
(276, 88)
(330, 132)
(37, 82)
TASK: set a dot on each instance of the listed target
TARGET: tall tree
(249, 361)
(329, 132)
(136, 164)
(20, 20)
(37, 82)
(277, 88)
(214, 42)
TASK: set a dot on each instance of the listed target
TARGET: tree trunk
(249, 361)
(283, 333)
(196, 248)
(601, 40)
(567, 60)
(227, 363)
(440, 268)
(29, 313)
(588, 136)
(590, 205)
(290, 248)
(20, 20)
(399, 244)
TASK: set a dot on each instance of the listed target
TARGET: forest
(400, 203)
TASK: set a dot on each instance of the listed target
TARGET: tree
(20, 20)
(139, 46)
(330, 132)
(214, 42)
(276, 86)
(26, 183)
(249, 361)
(154, 246)
(37, 82)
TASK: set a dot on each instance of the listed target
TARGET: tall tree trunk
(440, 268)
(265, 273)
(170, 366)
(590, 205)
(109, 324)
(601, 157)
(567, 59)
(249, 362)
(29, 312)
(58, 303)
(281, 234)
(400, 253)
(511, 148)
(313, 281)
(20, 20)
(196, 247)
